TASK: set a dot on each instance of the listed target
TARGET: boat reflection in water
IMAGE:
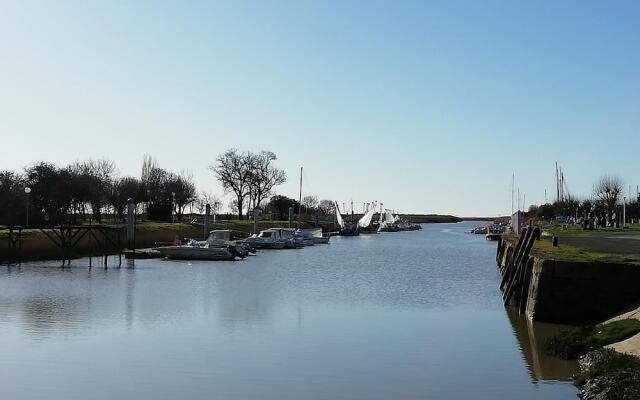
(532, 338)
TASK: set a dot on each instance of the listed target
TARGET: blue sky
(426, 106)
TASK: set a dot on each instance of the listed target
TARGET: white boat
(224, 238)
(365, 223)
(313, 234)
(299, 241)
(347, 228)
(388, 222)
(270, 239)
(196, 251)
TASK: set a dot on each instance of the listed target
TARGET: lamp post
(624, 212)
(216, 204)
(173, 207)
(27, 190)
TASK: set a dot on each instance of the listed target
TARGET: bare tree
(206, 198)
(326, 206)
(98, 177)
(182, 189)
(309, 202)
(233, 170)
(233, 206)
(608, 190)
(264, 176)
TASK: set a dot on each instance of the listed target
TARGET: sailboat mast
(513, 183)
(300, 199)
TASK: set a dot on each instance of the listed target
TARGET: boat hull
(196, 253)
(264, 245)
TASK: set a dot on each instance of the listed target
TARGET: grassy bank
(575, 342)
(604, 373)
(567, 252)
(37, 246)
(577, 231)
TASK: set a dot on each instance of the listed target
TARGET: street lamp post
(215, 210)
(173, 207)
(624, 212)
(27, 190)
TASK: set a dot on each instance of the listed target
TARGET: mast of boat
(513, 184)
(557, 183)
(300, 199)
(351, 210)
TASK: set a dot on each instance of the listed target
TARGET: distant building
(517, 221)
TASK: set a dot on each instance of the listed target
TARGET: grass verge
(604, 373)
(567, 252)
(574, 342)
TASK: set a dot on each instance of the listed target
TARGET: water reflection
(415, 315)
(532, 338)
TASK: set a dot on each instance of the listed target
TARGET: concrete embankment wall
(573, 292)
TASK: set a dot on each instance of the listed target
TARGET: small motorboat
(270, 239)
(299, 240)
(195, 250)
(313, 234)
(494, 232)
(224, 238)
(481, 230)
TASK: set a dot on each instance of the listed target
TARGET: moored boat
(347, 228)
(314, 235)
(494, 232)
(224, 238)
(195, 251)
(270, 239)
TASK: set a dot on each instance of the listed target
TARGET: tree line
(89, 189)
(605, 204)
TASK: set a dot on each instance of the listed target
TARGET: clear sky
(427, 106)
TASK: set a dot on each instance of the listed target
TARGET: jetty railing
(103, 240)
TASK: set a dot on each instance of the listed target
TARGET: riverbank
(568, 284)
(589, 277)
(430, 218)
(36, 246)
(609, 366)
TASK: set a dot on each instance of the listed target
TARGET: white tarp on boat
(388, 217)
(339, 216)
(365, 221)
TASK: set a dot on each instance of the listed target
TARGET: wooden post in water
(256, 215)
(131, 229)
(207, 211)
(290, 217)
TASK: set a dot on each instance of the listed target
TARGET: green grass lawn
(567, 252)
(574, 342)
(578, 231)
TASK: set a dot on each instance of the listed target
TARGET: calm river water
(410, 315)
